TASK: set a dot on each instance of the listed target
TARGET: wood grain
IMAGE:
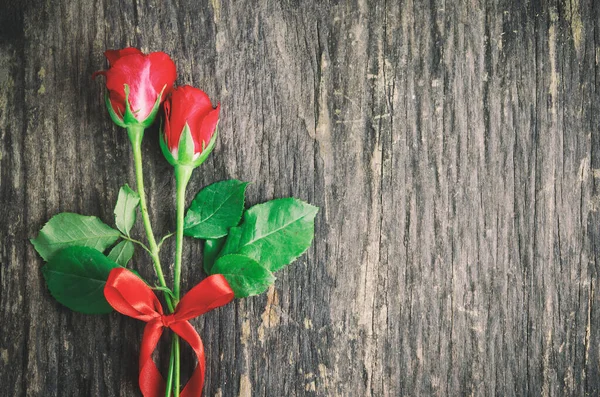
(454, 150)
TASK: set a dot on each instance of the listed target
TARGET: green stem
(124, 237)
(182, 177)
(136, 133)
(177, 371)
(170, 374)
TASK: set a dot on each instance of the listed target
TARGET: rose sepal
(185, 148)
(185, 154)
(113, 115)
(129, 119)
(207, 150)
(165, 149)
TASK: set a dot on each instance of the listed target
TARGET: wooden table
(454, 150)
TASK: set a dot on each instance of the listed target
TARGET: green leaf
(245, 276)
(125, 210)
(274, 233)
(68, 229)
(211, 251)
(76, 277)
(215, 209)
(122, 253)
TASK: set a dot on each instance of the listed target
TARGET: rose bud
(189, 129)
(137, 84)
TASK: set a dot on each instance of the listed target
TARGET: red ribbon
(129, 295)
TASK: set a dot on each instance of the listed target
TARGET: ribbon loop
(129, 295)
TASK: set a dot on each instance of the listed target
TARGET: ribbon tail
(151, 381)
(186, 331)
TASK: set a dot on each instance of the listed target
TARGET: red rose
(189, 126)
(146, 78)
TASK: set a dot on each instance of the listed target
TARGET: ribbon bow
(129, 295)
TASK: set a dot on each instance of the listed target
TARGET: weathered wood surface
(453, 147)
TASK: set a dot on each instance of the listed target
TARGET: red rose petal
(114, 55)
(209, 124)
(162, 73)
(192, 106)
(146, 75)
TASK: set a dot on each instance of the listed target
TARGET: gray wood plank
(453, 148)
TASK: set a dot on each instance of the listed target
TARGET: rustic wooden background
(454, 150)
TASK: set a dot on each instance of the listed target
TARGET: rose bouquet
(242, 247)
